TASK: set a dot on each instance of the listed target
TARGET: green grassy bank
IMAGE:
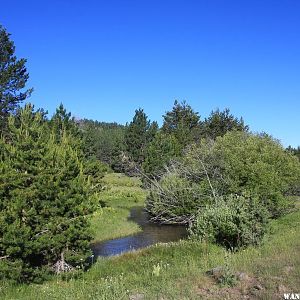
(119, 195)
(175, 270)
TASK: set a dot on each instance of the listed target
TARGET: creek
(151, 234)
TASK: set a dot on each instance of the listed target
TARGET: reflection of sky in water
(151, 234)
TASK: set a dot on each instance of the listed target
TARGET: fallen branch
(3, 257)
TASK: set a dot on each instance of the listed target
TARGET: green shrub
(238, 163)
(260, 165)
(175, 199)
(232, 221)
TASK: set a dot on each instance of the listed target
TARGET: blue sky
(104, 59)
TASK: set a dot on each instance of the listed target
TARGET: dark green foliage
(95, 170)
(220, 122)
(13, 78)
(233, 221)
(295, 151)
(152, 131)
(104, 141)
(44, 200)
(183, 122)
(138, 134)
(63, 121)
(159, 152)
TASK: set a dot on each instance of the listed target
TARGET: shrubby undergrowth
(232, 221)
(227, 189)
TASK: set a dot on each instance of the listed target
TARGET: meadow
(175, 270)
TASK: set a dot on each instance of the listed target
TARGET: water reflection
(151, 234)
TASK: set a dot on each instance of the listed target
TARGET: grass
(175, 270)
(120, 194)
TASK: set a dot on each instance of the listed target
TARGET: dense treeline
(103, 141)
(141, 147)
(213, 174)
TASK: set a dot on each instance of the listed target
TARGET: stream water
(152, 233)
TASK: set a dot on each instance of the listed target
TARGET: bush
(175, 199)
(238, 163)
(258, 164)
(232, 221)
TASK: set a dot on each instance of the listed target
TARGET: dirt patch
(247, 287)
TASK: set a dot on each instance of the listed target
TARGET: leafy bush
(232, 221)
(259, 165)
(238, 163)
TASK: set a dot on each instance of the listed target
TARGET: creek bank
(151, 234)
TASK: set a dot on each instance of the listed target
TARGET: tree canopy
(182, 121)
(138, 133)
(13, 78)
(220, 122)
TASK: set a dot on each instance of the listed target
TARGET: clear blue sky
(104, 59)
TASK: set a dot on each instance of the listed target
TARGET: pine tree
(182, 121)
(44, 200)
(152, 131)
(159, 152)
(63, 121)
(220, 122)
(13, 78)
(137, 136)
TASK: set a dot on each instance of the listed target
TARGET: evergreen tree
(297, 152)
(63, 121)
(137, 135)
(13, 78)
(90, 132)
(159, 152)
(220, 122)
(183, 122)
(152, 131)
(44, 200)
(103, 141)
